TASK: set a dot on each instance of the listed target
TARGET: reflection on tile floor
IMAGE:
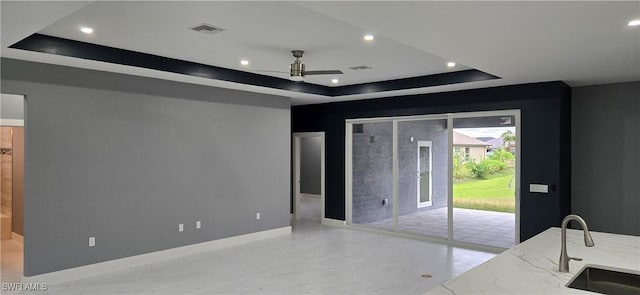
(473, 226)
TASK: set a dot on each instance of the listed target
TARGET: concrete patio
(472, 226)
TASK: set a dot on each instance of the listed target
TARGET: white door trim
(348, 161)
(297, 139)
(518, 180)
(425, 143)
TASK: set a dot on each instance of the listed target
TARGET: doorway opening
(425, 180)
(484, 179)
(308, 179)
(11, 187)
(401, 176)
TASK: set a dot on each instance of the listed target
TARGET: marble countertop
(532, 266)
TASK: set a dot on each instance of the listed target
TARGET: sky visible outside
(494, 132)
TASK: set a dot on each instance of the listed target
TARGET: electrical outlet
(92, 241)
(258, 215)
(539, 188)
(198, 224)
(180, 227)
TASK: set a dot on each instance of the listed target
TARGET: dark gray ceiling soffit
(78, 49)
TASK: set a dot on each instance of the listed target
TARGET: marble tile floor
(472, 226)
(314, 259)
(310, 209)
(10, 261)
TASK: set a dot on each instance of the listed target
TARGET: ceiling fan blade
(325, 72)
(268, 71)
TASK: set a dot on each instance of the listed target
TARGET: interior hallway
(314, 259)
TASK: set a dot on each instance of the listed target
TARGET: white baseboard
(333, 222)
(138, 260)
(310, 196)
(11, 122)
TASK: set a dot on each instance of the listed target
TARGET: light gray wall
(126, 159)
(11, 106)
(310, 169)
(605, 156)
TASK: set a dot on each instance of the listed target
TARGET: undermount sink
(606, 281)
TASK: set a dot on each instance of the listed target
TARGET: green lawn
(493, 194)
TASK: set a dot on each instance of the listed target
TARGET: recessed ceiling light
(368, 37)
(451, 64)
(633, 23)
(244, 62)
(86, 30)
(335, 81)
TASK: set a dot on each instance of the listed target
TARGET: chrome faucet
(588, 241)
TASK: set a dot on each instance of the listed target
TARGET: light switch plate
(180, 227)
(258, 215)
(198, 224)
(539, 188)
(92, 241)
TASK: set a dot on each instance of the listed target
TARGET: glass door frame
(446, 116)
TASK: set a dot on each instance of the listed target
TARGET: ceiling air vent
(207, 29)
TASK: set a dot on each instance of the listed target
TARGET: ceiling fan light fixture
(634, 23)
(451, 64)
(296, 78)
(86, 30)
(369, 37)
(244, 62)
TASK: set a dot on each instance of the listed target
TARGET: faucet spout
(588, 241)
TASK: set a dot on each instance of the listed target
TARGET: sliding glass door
(484, 179)
(449, 176)
(422, 176)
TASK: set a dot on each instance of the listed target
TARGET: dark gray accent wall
(372, 172)
(126, 159)
(605, 156)
(310, 169)
(429, 130)
(545, 128)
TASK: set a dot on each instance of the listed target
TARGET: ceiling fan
(297, 70)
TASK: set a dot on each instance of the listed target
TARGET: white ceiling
(581, 43)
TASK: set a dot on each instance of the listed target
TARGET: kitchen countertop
(532, 266)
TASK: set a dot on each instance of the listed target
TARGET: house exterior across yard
(469, 148)
(500, 143)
